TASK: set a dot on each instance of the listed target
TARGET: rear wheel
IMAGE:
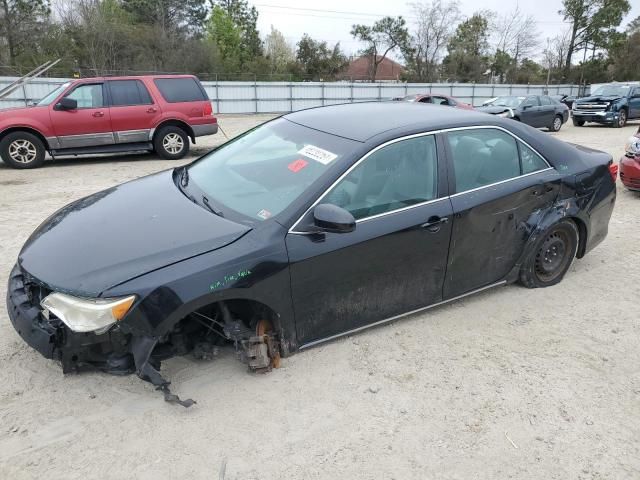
(171, 143)
(556, 125)
(22, 150)
(552, 256)
(578, 123)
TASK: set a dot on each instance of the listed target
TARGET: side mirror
(334, 219)
(67, 104)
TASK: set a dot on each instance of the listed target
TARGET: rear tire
(171, 143)
(552, 256)
(578, 123)
(22, 150)
(556, 125)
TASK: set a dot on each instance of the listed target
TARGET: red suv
(108, 115)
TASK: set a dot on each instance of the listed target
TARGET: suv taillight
(613, 170)
(207, 109)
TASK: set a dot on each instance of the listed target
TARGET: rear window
(176, 90)
(128, 92)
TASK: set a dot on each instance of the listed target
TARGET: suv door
(395, 259)
(134, 113)
(499, 183)
(88, 125)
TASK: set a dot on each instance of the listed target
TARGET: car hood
(599, 98)
(121, 233)
(5, 112)
(493, 109)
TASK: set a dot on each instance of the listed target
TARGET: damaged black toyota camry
(314, 225)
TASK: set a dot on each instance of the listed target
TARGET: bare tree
(517, 36)
(435, 25)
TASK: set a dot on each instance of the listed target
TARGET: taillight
(613, 170)
(207, 109)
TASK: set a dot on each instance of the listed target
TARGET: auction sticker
(318, 154)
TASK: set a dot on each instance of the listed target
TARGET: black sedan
(314, 225)
(538, 111)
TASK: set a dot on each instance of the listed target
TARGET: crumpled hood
(493, 109)
(121, 233)
(598, 99)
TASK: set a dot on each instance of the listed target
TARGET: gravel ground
(509, 383)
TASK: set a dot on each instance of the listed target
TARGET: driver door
(88, 125)
(395, 259)
(531, 111)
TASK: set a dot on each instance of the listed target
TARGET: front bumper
(597, 117)
(77, 351)
(630, 172)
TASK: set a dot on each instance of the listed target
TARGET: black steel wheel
(552, 256)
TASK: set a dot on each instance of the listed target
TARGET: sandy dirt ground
(509, 383)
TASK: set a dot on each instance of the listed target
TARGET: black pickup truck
(611, 104)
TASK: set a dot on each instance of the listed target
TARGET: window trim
(138, 83)
(438, 159)
(105, 95)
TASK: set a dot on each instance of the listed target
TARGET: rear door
(547, 111)
(134, 113)
(499, 183)
(87, 126)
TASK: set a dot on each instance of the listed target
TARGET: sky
(331, 20)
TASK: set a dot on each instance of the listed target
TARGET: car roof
(362, 121)
(130, 77)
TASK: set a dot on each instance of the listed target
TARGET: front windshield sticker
(228, 279)
(264, 214)
(318, 154)
(297, 165)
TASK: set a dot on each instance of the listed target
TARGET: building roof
(359, 69)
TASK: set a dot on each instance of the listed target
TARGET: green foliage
(315, 60)
(468, 57)
(21, 24)
(168, 14)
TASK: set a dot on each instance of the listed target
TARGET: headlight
(633, 146)
(573, 106)
(87, 314)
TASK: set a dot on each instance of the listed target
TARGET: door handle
(151, 110)
(433, 224)
(98, 114)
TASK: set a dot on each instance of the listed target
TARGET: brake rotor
(265, 328)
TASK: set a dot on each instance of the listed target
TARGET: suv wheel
(622, 119)
(171, 143)
(22, 150)
(578, 123)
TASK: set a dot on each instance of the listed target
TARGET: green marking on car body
(228, 279)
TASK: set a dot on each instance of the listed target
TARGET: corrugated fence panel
(275, 97)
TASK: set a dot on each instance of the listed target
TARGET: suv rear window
(128, 92)
(176, 90)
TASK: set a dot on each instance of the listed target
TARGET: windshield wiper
(214, 210)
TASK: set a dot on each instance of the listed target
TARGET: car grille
(590, 107)
(35, 292)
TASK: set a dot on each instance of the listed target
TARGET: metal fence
(275, 97)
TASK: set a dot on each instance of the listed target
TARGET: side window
(531, 161)
(482, 157)
(175, 90)
(88, 96)
(531, 102)
(396, 176)
(425, 100)
(440, 101)
(128, 92)
(545, 101)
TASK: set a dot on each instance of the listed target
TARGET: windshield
(262, 172)
(611, 91)
(53, 95)
(511, 102)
